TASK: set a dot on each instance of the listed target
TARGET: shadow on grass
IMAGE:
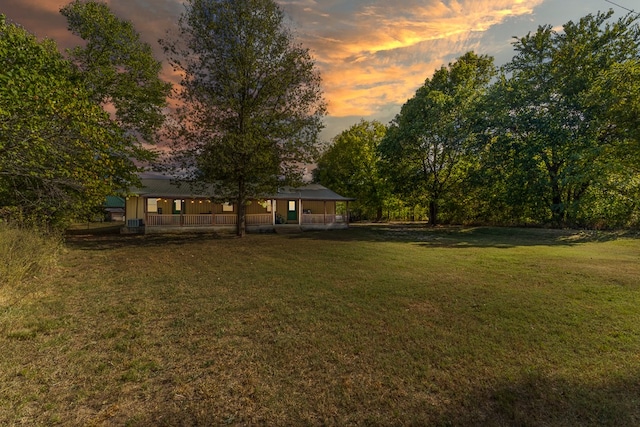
(421, 234)
(533, 400)
(536, 400)
(465, 237)
(115, 241)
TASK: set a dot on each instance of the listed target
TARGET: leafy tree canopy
(427, 144)
(350, 166)
(544, 121)
(118, 69)
(60, 154)
(615, 98)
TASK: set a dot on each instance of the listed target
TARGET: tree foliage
(117, 67)
(350, 166)
(428, 144)
(60, 153)
(252, 103)
(614, 97)
(545, 126)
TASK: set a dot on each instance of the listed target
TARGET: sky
(372, 54)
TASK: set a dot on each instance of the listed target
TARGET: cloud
(372, 54)
(375, 53)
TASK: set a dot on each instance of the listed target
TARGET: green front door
(292, 211)
(177, 207)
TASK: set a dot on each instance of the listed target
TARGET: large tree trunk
(433, 212)
(557, 206)
(379, 214)
(241, 223)
(241, 220)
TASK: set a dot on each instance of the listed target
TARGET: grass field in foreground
(377, 325)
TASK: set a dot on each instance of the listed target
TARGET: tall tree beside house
(350, 166)
(118, 68)
(560, 144)
(252, 106)
(60, 153)
(428, 145)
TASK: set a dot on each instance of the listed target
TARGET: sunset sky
(372, 54)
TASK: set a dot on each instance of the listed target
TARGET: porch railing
(191, 220)
(260, 219)
(197, 219)
(156, 220)
(226, 219)
(321, 218)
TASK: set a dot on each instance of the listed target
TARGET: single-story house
(162, 205)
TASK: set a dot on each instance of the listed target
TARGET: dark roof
(164, 186)
(114, 202)
(309, 192)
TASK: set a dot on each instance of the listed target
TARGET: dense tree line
(552, 138)
(72, 128)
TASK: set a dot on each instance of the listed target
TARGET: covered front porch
(162, 206)
(308, 220)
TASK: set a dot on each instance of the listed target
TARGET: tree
(429, 142)
(252, 103)
(60, 153)
(614, 97)
(558, 145)
(350, 167)
(117, 68)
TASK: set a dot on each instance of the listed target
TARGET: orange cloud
(371, 53)
(380, 53)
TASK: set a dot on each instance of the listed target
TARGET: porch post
(324, 220)
(348, 215)
(300, 213)
(273, 211)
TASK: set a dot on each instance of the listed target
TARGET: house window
(152, 205)
(292, 205)
(265, 204)
(227, 207)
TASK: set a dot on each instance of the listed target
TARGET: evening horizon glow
(372, 55)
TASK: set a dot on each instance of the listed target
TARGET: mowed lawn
(375, 325)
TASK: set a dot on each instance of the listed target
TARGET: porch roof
(167, 187)
(154, 185)
(309, 192)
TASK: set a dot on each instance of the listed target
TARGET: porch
(162, 223)
(162, 206)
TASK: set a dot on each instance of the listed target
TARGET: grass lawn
(375, 325)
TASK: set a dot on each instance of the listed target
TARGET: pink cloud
(380, 42)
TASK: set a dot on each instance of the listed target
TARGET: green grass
(376, 325)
